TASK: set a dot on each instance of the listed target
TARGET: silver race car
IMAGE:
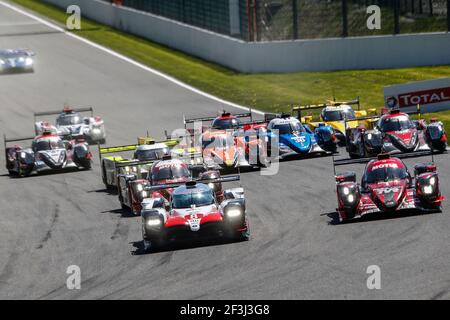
(48, 152)
(16, 60)
(69, 122)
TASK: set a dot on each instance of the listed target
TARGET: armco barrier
(376, 52)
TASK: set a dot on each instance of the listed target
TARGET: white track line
(124, 58)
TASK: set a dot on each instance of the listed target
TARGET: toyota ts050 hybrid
(16, 60)
(388, 187)
(132, 185)
(48, 152)
(70, 122)
(395, 132)
(338, 115)
(194, 211)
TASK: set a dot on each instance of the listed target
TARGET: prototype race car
(395, 132)
(48, 152)
(293, 138)
(387, 187)
(132, 186)
(338, 115)
(147, 150)
(69, 122)
(16, 60)
(194, 212)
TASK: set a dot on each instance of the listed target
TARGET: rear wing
(224, 179)
(131, 147)
(54, 112)
(360, 119)
(7, 140)
(211, 118)
(342, 162)
(299, 109)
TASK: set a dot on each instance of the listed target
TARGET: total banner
(431, 95)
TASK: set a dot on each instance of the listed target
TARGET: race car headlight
(2, 62)
(28, 61)
(432, 181)
(349, 195)
(233, 213)
(153, 222)
(23, 155)
(427, 189)
(345, 191)
(211, 185)
(22, 59)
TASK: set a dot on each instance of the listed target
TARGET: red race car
(395, 132)
(388, 187)
(230, 142)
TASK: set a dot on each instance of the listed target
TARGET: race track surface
(50, 222)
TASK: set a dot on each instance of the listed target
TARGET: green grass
(269, 92)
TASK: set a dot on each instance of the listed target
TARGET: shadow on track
(375, 217)
(179, 245)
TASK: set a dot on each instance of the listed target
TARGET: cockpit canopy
(338, 114)
(199, 196)
(385, 172)
(48, 143)
(69, 119)
(286, 126)
(224, 123)
(395, 123)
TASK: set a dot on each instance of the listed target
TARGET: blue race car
(297, 139)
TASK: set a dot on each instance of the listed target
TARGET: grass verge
(269, 92)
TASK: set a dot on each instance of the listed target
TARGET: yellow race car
(145, 153)
(338, 115)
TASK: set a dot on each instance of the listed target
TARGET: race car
(394, 132)
(69, 122)
(334, 114)
(132, 186)
(48, 152)
(194, 212)
(293, 138)
(223, 150)
(387, 187)
(16, 60)
(147, 149)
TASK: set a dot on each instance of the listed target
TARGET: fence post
(295, 19)
(396, 17)
(448, 15)
(344, 18)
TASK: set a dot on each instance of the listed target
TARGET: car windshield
(199, 199)
(170, 172)
(69, 119)
(288, 128)
(148, 155)
(386, 174)
(227, 123)
(338, 115)
(396, 124)
(43, 145)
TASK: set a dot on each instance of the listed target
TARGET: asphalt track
(50, 222)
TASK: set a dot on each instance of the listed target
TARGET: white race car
(69, 122)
